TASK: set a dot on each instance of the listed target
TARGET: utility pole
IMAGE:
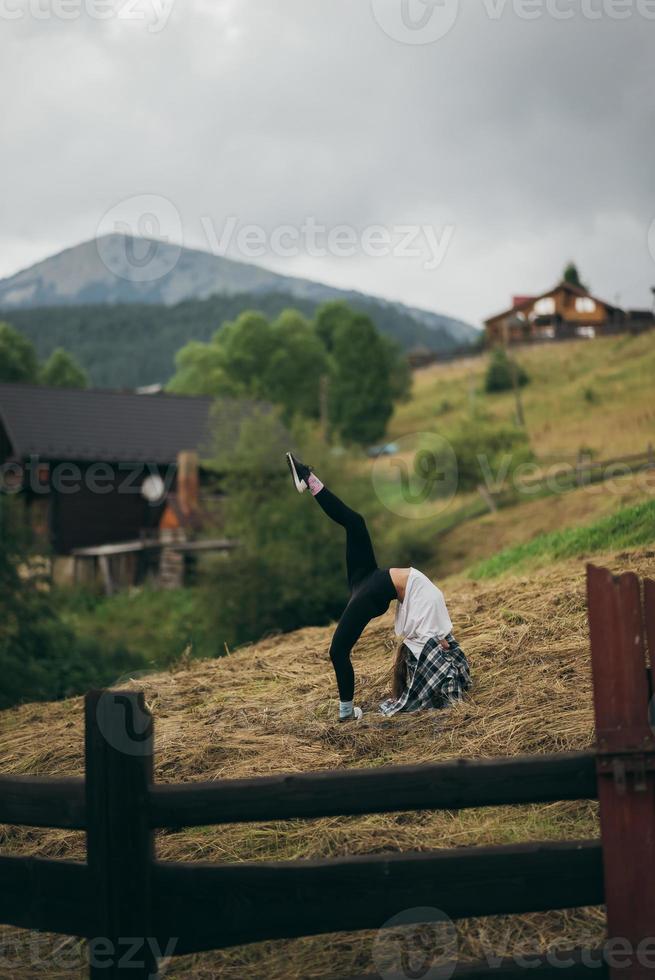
(520, 417)
(472, 395)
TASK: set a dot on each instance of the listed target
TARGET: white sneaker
(356, 715)
(299, 472)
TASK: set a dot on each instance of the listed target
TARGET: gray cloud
(533, 138)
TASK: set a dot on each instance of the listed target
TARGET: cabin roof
(521, 302)
(96, 424)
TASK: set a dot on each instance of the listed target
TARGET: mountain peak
(118, 267)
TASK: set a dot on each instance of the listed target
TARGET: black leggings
(371, 589)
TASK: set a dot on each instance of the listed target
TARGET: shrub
(483, 453)
(499, 372)
(41, 657)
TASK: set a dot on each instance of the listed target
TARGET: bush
(499, 372)
(41, 657)
(484, 454)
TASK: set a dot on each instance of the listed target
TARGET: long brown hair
(399, 677)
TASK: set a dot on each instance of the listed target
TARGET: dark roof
(92, 424)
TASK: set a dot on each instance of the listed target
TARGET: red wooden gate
(620, 626)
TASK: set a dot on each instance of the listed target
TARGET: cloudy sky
(447, 154)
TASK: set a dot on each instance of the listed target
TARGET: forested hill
(130, 344)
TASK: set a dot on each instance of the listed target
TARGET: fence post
(119, 766)
(625, 766)
(487, 497)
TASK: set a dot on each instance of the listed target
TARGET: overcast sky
(490, 140)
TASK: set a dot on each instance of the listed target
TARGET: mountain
(122, 269)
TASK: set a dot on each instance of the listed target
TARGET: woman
(431, 669)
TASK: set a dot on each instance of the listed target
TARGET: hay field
(270, 708)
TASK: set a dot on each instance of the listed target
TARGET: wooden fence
(122, 898)
(565, 476)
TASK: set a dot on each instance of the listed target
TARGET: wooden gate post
(625, 765)
(119, 766)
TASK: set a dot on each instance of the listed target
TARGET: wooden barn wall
(84, 518)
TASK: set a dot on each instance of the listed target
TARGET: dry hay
(270, 708)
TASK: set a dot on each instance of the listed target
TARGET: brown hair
(399, 677)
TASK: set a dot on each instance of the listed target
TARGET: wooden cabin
(564, 312)
(99, 468)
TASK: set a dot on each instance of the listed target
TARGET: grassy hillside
(583, 394)
(485, 537)
(270, 708)
(592, 396)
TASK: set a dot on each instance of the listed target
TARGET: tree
(361, 400)
(61, 370)
(292, 378)
(288, 363)
(400, 372)
(288, 570)
(247, 345)
(200, 370)
(329, 318)
(18, 360)
(572, 276)
(280, 362)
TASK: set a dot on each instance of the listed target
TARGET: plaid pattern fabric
(436, 678)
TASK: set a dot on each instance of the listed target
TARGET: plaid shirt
(436, 678)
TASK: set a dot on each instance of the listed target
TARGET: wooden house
(564, 312)
(98, 469)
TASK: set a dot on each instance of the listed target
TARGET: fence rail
(122, 891)
(568, 476)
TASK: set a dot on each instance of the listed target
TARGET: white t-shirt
(422, 614)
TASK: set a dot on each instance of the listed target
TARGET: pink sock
(314, 484)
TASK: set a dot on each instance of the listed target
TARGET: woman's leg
(360, 557)
(349, 629)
